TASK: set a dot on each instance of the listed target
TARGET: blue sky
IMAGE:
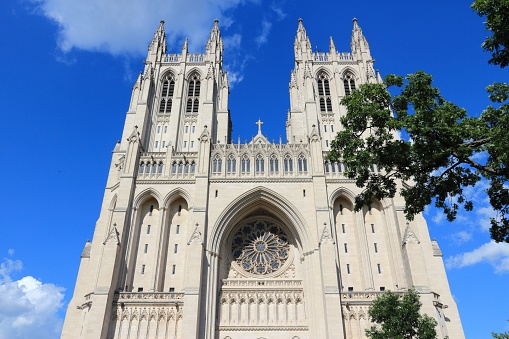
(69, 66)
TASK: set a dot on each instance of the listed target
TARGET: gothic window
(349, 83)
(186, 168)
(303, 164)
(167, 95)
(327, 164)
(193, 94)
(216, 164)
(181, 167)
(142, 167)
(193, 165)
(245, 164)
(259, 164)
(324, 93)
(154, 168)
(288, 163)
(174, 167)
(274, 164)
(260, 247)
(231, 164)
(147, 169)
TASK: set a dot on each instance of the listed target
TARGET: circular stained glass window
(260, 247)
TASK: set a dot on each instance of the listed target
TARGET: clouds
(124, 28)
(497, 255)
(28, 307)
(262, 38)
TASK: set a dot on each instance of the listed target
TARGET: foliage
(447, 150)
(399, 318)
(497, 21)
(504, 335)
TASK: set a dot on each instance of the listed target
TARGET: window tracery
(274, 164)
(245, 164)
(167, 94)
(349, 83)
(231, 164)
(288, 163)
(260, 247)
(259, 164)
(302, 164)
(193, 94)
(324, 93)
(217, 164)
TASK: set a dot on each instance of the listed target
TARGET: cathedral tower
(200, 237)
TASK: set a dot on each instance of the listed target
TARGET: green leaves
(440, 158)
(399, 318)
(497, 21)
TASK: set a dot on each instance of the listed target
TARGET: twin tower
(202, 237)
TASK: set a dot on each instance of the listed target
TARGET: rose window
(260, 247)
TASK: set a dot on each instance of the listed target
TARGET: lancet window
(167, 94)
(231, 164)
(303, 164)
(216, 164)
(274, 164)
(288, 162)
(349, 83)
(245, 164)
(259, 164)
(324, 93)
(193, 94)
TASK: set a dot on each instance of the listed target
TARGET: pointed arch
(145, 195)
(249, 202)
(349, 80)
(323, 80)
(167, 85)
(175, 194)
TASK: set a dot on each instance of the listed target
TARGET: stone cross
(259, 123)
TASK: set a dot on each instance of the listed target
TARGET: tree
(447, 150)
(399, 318)
(504, 335)
(497, 21)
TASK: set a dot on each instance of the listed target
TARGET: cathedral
(200, 236)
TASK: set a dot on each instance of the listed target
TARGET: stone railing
(277, 284)
(196, 58)
(171, 58)
(362, 297)
(149, 297)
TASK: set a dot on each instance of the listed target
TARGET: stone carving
(112, 234)
(326, 235)
(409, 235)
(196, 236)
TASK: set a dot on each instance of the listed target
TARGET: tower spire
(302, 44)
(158, 43)
(215, 43)
(359, 44)
(332, 46)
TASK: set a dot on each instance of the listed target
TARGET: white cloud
(125, 27)
(497, 255)
(263, 37)
(28, 307)
(279, 12)
(461, 237)
(232, 42)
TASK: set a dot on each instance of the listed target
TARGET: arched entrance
(261, 277)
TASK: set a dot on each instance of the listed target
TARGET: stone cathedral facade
(203, 237)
